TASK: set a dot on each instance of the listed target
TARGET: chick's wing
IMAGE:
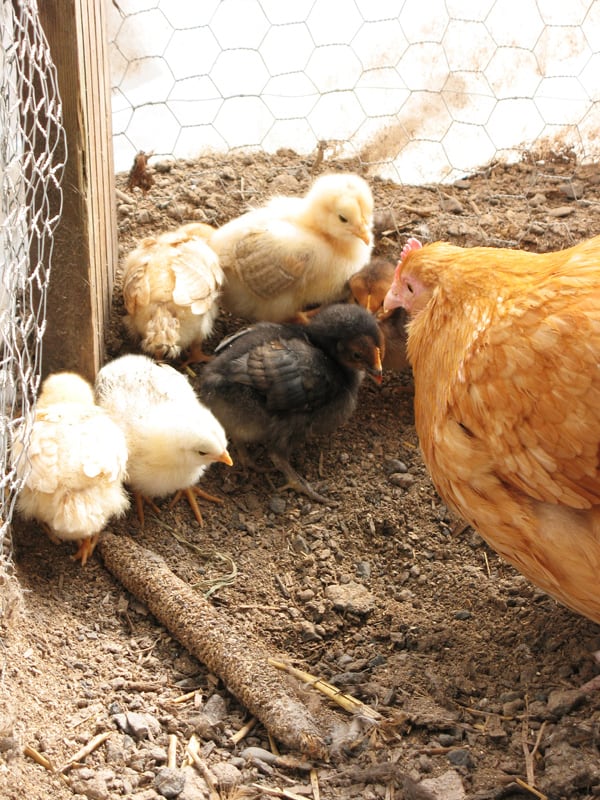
(538, 373)
(196, 281)
(290, 374)
(136, 286)
(271, 259)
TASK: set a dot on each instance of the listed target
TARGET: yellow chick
(171, 285)
(295, 252)
(72, 459)
(172, 437)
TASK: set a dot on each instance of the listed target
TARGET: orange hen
(505, 350)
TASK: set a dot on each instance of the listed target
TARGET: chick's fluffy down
(172, 437)
(74, 463)
(296, 251)
(171, 286)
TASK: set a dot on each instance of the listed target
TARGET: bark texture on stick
(240, 661)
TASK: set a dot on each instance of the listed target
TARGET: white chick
(72, 459)
(171, 285)
(172, 437)
(296, 251)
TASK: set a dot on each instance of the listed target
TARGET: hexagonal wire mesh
(419, 94)
(32, 150)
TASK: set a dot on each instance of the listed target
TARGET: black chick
(276, 384)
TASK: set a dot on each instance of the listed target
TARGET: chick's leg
(190, 493)
(296, 481)
(140, 499)
(86, 548)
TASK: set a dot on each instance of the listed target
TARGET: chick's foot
(86, 548)
(190, 494)
(296, 481)
(140, 499)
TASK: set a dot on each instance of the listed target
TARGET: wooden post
(85, 242)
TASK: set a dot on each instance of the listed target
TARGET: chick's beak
(376, 371)
(362, 230)
(364, 234)
(225, 458)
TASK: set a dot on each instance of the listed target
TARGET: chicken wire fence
(32, 153)
(420, 92)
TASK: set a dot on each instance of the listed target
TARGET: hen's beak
(376, 371)
(225, 458)
(392, 299)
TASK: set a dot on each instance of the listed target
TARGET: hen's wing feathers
(271, 259)
(545, 438)
(290, 374)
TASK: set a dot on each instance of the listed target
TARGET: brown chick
(276, 384)
(505, 347)
(171, 285)
(71, 458)
(368, 288)
(296, 252)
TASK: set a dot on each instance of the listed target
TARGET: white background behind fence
(425, 90)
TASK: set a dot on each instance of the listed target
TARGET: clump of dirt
(385, 595)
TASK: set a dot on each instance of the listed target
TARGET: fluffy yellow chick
(296, 251)
(172, 437)
(171, 285)
(72, 460)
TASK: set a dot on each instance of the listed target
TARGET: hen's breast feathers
(526, 398)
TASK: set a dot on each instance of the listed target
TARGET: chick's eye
(409, 287)
(356, 355)
(202, 453)
(342, 218)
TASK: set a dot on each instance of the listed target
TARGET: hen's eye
(342, 218)
(409, 287)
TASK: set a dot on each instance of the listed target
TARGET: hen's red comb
(411, 244)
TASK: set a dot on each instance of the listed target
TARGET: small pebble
(169, 782)
(463, 614)
(561, 211)
(277, 504)
(460, 758)
(363, 569)
(403, 480)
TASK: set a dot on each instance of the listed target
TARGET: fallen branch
(238, 660)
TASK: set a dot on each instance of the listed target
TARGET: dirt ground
(384, 594)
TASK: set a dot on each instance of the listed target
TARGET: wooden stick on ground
(240, 661)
